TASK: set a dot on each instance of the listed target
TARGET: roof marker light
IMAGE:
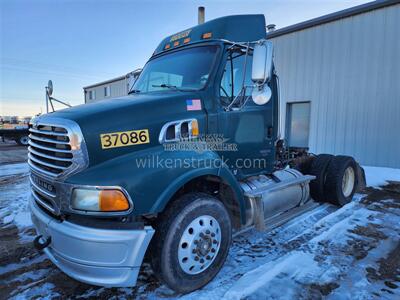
(187, 40)
(207, 35)
(176, 43)
(167, 46)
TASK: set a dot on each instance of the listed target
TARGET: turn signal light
(195, 128)
(99, 200)
(112, 200)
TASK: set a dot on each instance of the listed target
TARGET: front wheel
(191, 242)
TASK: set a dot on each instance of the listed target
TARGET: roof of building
(113, 79)
(349, 12)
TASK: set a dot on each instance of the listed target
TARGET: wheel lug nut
(208, 231)
(213, 234)
(213, 250)
(208, 257)
(196, 242)
(201, 234)
(214, 241)
(202, 261)
(194, 251)
(196, 258)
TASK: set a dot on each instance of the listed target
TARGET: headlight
(107, 200)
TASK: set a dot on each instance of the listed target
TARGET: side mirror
(262, 62)
(50, 87)
(261, 94)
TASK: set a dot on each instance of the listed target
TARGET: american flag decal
(193, 104)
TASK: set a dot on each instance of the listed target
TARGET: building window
(92, 95)
(298, 124)
(107, 91)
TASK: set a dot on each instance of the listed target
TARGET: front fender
(151, 184)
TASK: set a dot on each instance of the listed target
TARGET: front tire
(191, 242)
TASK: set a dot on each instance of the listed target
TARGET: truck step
(280, 219)
(270, 195)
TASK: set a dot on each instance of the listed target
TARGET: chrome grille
(56, 147)
(44, 194)
(44, 202)
(50, 151)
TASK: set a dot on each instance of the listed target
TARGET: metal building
(340, 83)
(115, 87)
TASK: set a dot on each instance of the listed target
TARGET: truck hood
(134, 112)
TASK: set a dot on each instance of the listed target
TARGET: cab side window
(232, 79)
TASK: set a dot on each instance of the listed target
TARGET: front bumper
(104, 257)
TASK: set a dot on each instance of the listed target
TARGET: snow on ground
(347, 253)
(13, 169)
(14, 192)
(376, 176)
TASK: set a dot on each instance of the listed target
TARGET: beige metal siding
(350, 71)
(118, 88)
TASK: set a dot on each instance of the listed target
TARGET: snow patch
(296, 265)
(14, 169)
(378, 176)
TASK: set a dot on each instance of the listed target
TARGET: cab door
(249, 126)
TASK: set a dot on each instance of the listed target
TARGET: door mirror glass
(50, 87)
(262, 62)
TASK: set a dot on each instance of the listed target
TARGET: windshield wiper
(165, 85)
(133, 92)
(172, 87)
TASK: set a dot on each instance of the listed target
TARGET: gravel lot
(11, 153)
(347, 253)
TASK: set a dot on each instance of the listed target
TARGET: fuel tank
(270, 195)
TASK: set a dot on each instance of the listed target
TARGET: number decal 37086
(124, 138)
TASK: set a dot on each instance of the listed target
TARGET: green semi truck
(192, 156)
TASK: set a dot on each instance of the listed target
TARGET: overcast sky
(78, 43)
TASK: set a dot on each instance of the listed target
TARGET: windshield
(186, 69)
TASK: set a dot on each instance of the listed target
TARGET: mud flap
(361, 181)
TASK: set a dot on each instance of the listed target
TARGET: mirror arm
(51, 103)
(245, 101)
(243, 89)
(228, 108)
(245, 66)
(51, 99)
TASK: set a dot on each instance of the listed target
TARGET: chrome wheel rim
(348, 181)
(199, 245)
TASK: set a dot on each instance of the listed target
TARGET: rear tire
(191, 242)
(319, 167)
(341, 180)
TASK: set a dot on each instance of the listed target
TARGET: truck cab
(191, 156)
